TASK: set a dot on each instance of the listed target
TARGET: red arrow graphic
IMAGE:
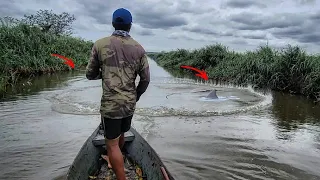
(201, 74)
(68, 61)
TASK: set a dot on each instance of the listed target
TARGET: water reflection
(293, 114)
(292, 111)
(36, 84)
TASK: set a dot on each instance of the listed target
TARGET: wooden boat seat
(100, 141)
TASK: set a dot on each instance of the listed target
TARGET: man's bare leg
(116, 158)
(121, 144)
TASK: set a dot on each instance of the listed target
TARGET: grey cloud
(158, 20)
(244, 4)
(305, 2)
(310, 38)
(179, 36)
(315, 17)
(86, 23)
(185, 36)
(101, 11)
(289, 32)
(185, 6)
(239, 41)
(147, 14)
(146, 32)
(307, 32)
(197, 29)
(256, 21)
(301, 34)
(176, 37)
(158, 17)
(206, 31)
(227, 34)
(9, 8)
(141, 31)
(255, 36)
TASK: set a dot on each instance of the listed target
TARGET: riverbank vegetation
(288, 70)
(26, 46)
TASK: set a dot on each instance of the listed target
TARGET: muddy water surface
(242, 135)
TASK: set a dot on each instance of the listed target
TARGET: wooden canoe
(87, 160)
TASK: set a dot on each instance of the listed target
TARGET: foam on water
(180, 103)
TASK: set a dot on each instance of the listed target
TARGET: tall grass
(26, 50)
(288, 70)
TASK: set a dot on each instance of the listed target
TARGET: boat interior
(140, 160)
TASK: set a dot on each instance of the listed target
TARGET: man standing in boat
(117, 60)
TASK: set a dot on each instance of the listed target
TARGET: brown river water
(242, 135)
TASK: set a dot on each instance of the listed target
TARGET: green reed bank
(289, 70)
(25, 50)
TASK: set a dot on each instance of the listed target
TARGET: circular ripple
(168, 98)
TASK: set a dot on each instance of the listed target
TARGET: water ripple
(70, 102)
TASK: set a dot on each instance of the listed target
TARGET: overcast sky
(170, 24)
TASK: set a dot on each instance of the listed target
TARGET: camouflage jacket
(117, 60)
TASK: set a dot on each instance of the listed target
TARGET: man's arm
(93, 71)
(144, 74)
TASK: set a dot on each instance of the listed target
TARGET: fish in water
(212, 95)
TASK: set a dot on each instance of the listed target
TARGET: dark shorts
(113, 128)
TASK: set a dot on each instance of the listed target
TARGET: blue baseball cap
(122, 16)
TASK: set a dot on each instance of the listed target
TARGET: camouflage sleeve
(144, 74)
(93, 71)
